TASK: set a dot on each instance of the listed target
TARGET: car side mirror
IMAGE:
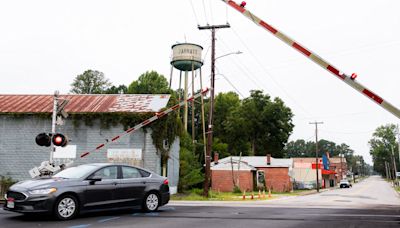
(94, 179)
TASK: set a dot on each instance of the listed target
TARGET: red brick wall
(277, 178)
(221, 180)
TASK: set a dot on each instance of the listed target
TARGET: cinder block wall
(19, 152)
(221, 180)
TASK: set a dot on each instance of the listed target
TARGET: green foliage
(236, 189)
(149, 83)
(301, 148)
(259, 123)
(121, 89)
(221, 147)
(165, 131)
(190, 169)
(90, 82)
(225, 103)
(5, 183)
(382, 144)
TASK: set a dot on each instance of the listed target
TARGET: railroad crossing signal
(43, 139)
(60, 140)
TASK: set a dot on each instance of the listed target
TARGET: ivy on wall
(164, 130)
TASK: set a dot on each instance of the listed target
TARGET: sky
(44, 45)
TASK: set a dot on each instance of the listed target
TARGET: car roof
(109, 164)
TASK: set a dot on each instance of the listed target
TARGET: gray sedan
(89, 187)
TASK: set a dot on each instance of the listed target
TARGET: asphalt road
(356, 207)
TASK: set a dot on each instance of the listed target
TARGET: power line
(194, 12)
(234, 87)
(270, 75)
(211, 12)
(205, 13)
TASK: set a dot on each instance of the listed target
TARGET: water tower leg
(179, 89)
(185, 97)
(193, 130)
(170, 77)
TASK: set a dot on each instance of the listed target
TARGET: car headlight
(44, 191)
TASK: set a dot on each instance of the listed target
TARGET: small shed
(227, 170)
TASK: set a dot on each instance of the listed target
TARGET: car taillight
(165, 182)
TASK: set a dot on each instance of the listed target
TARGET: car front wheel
(66, 207)
(151, 202)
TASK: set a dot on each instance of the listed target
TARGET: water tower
(186, 57)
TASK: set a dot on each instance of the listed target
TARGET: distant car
(87, 188)
(345, 184)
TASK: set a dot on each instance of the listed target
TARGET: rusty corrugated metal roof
(100, 103)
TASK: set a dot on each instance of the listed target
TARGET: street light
(231, 53)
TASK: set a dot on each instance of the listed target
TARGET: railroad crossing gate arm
(349, 80)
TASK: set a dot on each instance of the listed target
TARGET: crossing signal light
(60, 140)
(43, 139)
(353, 76)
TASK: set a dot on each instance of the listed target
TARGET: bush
(5, 183)
(236, 189)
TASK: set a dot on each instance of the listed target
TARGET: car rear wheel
(151, 202)
(66, 207)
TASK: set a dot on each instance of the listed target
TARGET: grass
(196, 195)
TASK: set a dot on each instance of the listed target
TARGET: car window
(107, 173)
(76, 172)
(130, 172)
(144, 173)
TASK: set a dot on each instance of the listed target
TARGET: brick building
(304, 172)
(339, 164)
(22, 117)
(243, 171)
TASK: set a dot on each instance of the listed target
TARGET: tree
(90, 82)
(149, 83)
(381, 145)
(190, 168)
(260, 124)
(225, 103)
(300, 148)
(121, 89)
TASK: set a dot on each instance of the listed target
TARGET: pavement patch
(167, 209)
(80, 226)
(107, 219)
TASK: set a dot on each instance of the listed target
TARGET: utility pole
(316, 150)
(394, 166)
(53, 124)
(211, 117)
(386, 168)
(398, 140)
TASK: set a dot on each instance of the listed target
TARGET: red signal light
(60, 140)
(243, 4)
(166, 182)
(353, 76)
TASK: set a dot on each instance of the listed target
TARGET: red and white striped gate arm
(315, 58)
(157, 116)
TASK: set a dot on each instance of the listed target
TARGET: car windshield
(76, 172)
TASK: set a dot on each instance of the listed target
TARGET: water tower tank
(186, 56)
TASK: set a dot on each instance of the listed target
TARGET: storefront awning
(327, 172)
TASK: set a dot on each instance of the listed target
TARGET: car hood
(39, 183)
